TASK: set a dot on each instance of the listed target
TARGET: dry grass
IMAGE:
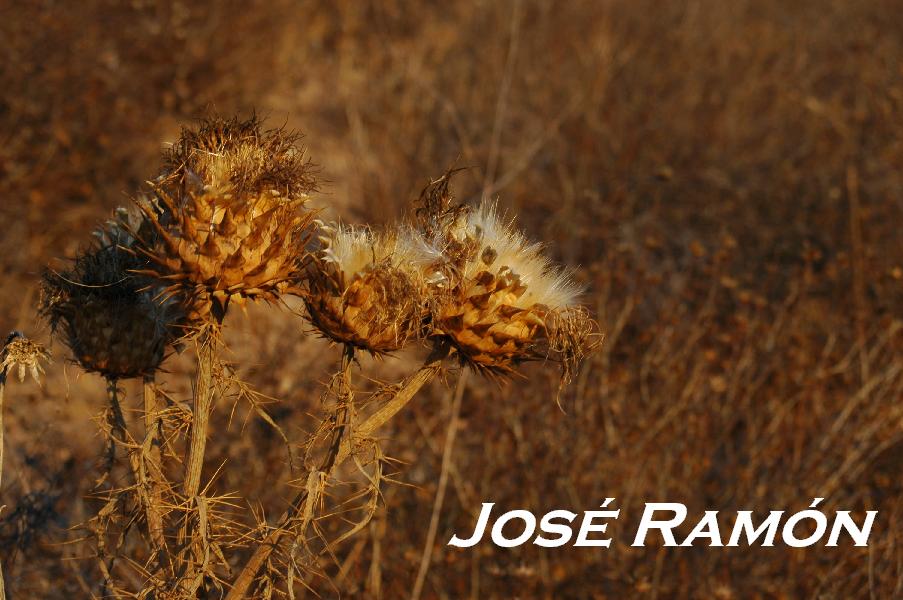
(728, 175)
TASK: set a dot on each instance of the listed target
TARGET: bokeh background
(727, 176)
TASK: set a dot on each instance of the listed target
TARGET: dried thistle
(366, 289)
(228, 214)
(114, 321)
(436, 207)
(502, 301)
(235, 156)
(23, 355)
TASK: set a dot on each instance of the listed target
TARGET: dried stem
(399, 400)
(346, 397)
(405, 393)
(859, 301)
(117, 419)
(147, 482)
(118, 433)
(201, 404)
(154, 471)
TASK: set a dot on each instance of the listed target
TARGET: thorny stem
(117, 419)
(197, 444)
(154, 464)
(147, 487)
(201, 403)
(405, 393)
(346, 397)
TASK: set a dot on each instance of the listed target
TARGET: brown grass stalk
(448, 448)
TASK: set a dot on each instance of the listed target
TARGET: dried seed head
(25, 356)
(115, 322)
(366, 289)
(229, 214)
(240, 157)
(506, 302)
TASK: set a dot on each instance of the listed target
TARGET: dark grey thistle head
(115, 322)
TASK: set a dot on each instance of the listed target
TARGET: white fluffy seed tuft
(546, 283)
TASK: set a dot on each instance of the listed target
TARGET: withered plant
(21, 356)
(724, 176)
(120, 324)
(230, 222)
(227, 221)
(452, 294)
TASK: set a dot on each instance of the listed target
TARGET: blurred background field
(728, 176)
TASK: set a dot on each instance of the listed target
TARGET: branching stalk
(407, 390)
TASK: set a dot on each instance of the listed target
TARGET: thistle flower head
(505, 301)
(365, 288)
(24, 355)
(228, 214)
(115, 322)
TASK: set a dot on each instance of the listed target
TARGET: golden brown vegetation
(727, 175)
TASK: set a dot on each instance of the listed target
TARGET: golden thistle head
(366, 289)
(228, 214)
(115, 322)
(23, 355)
(502, 301)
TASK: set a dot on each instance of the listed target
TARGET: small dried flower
(365, 288)
(25, 356)
(229, 215)
(114, 321)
